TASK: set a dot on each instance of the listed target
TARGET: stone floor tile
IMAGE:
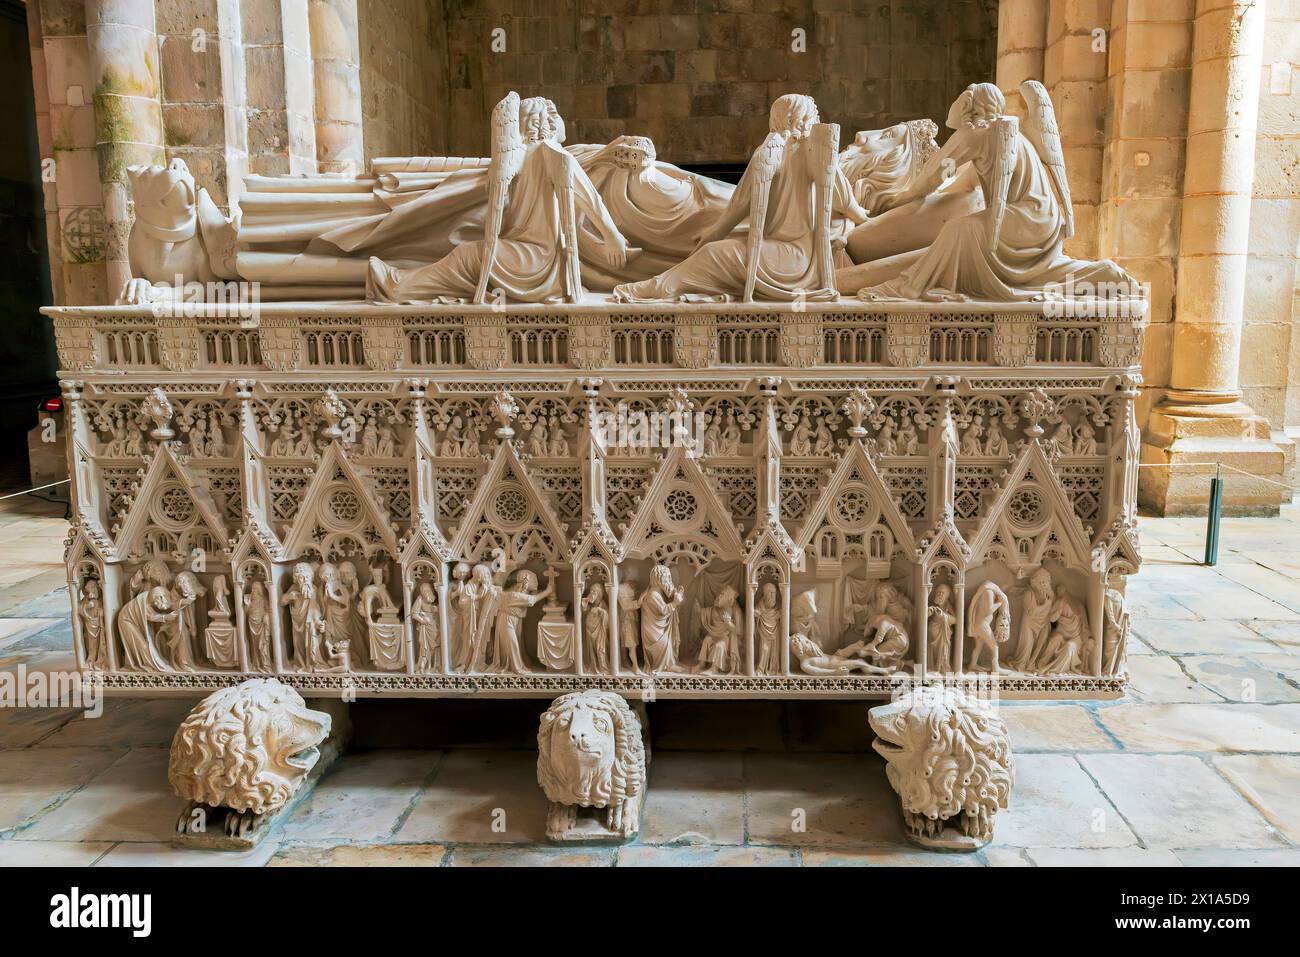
(51, 853)
(1216, 637)
(1056, 804)
(1227, 857)
(1204, 727)
(1159, 678)
(1267, 583)
(1280, 663)
(639, 855)
(827, 799)
(505, 855)
(126, 723)
(1271, 782)
(995, 855)
(34, 780)
(130, 801)
(694, 798)
(166, 854)
(15, 629)
(1241, 679)
(1150, 605)
(359, 855)
(1283, 633)
(1177, 801)
(23, 727)
(1101, 857)
(480, 797)
(1050, 727)
(362, 798)
(887, 857)
(1219, 598)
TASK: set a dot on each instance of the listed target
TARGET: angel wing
(762, 166)
(1042, 131)
(507, 158)
(824, 144)
(1004, 131)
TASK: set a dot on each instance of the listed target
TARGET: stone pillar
(1022, 33)
(278, 80)
(1074, 72)
(123, 45)
(1202, 418)
(336, 61)
(203, 92)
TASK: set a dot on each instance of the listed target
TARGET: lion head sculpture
(947, 757)
(590, 754)
(247, 748)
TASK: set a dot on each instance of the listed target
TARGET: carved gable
(1031, 517)
(340, 512)
(681, 514)
(171, 513)
(509, 512)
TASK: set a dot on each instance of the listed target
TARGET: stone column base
(1185, 438)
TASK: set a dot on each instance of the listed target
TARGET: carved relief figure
(1067, 648)
(889, 644)
(940, 624)
(424, 614)
(595, 625)
(814, 660)
(512, 606)
(629, 623)
(306, 622)
(183, 630)
(782, 175)
(257, 622)
(767, 629)
(528, 252)
(970, 439)
(383, 626)
(1114, 635)
(478, 604)
(136, 627)
(1085, 439)
(1011, 250)
(90, 609)
(988, 623)
(461, 640)
(1035, 623)
(219, 636)
(661, 636)
(720, 625)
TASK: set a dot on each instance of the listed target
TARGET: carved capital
(695, 344)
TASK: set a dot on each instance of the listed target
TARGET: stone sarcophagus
(730, 499)
(573, 419)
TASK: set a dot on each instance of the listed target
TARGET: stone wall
(699, 78)
(404, 78)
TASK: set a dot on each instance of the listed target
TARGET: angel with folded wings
(1011, 250)
(529, 253)
(791, 189)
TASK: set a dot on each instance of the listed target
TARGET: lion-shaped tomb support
(949, 758)
(243, 753)
(590, 754)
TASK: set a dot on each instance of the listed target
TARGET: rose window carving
(1025, 508)
(853, 508)
(680, 506)
(174, 506)
(511, 506)
(344, 506)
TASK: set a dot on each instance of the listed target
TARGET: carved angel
(536, 191)
(1012, 249)
(791, 187)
